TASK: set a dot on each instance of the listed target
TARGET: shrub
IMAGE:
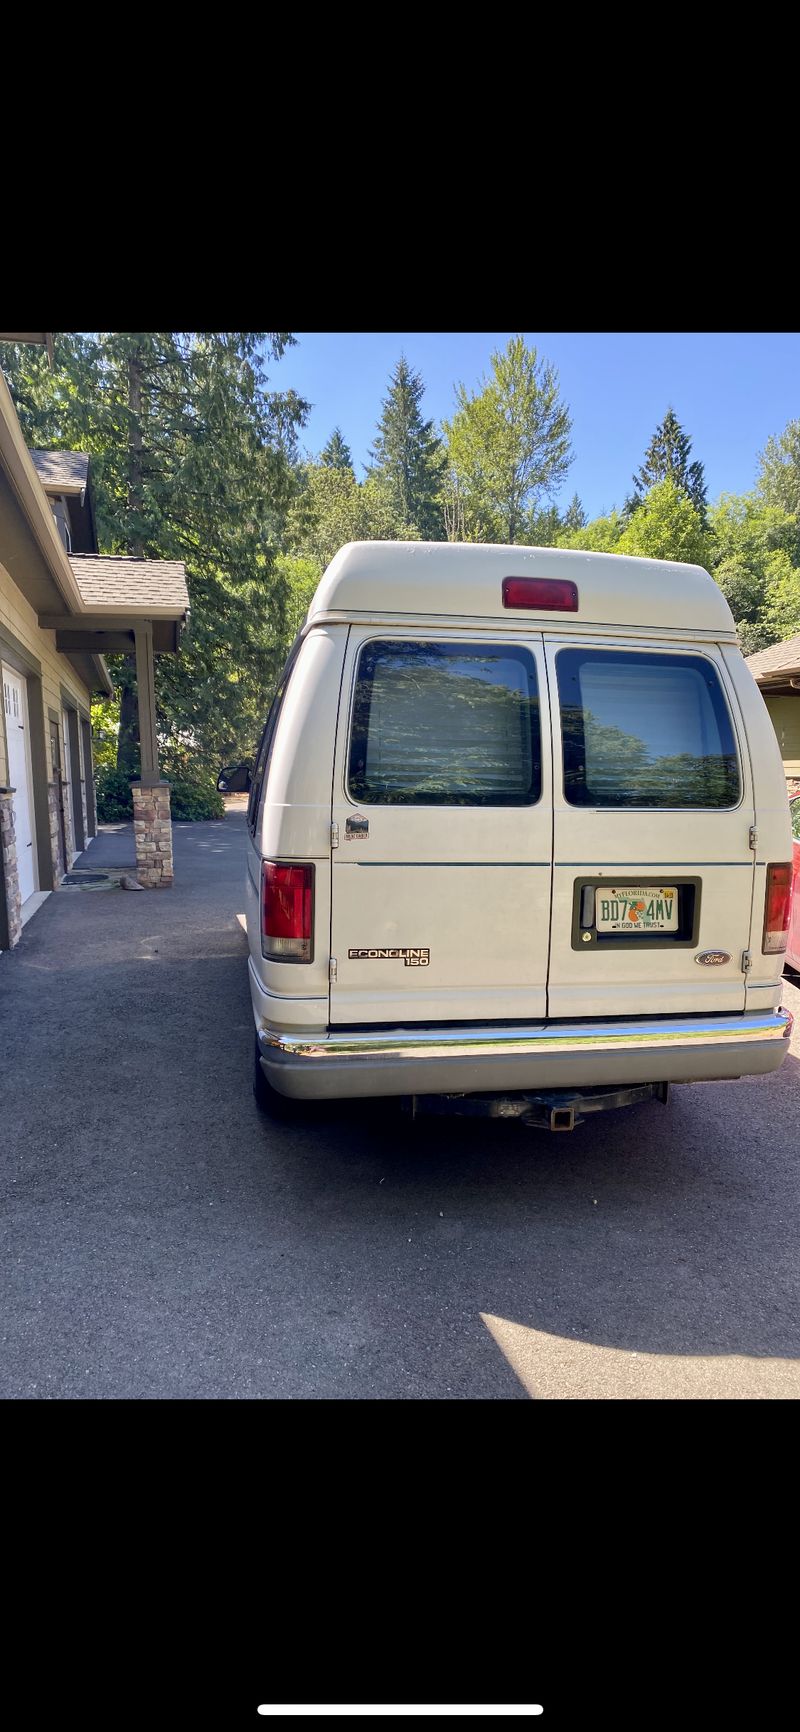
(114, 797)
(193, 797)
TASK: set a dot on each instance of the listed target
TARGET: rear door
(442, 806)
(652, 813)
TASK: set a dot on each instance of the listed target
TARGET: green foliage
(408, 458)
(665, 526)
(507, 446)
(543, 528)
(195, 798)
(336, 454)
(192, 776)
(333, 509)
(667, 458)
(574, 516)
(600, 536)
(755, 559)
(779, 470)
(193, 458)
(193, 794)
(114, 797)
(105, 728)
(301, 577)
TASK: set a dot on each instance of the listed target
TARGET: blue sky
(730, 391)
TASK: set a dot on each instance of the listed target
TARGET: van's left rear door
(442, 801)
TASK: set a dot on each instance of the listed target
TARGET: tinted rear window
(645, 730)
(443, 724)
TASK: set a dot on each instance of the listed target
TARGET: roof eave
(28, 488)
(105, 684)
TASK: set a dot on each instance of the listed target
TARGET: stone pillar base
(55, 834)
(10, 875)
(152, 829)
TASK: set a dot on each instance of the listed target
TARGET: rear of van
(518, 825)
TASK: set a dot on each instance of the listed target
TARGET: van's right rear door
(653, 803)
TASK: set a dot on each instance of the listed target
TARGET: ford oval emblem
(712, 958)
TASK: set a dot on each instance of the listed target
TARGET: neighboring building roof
(61, 471)
(114, 582)
(372, 579)
(780, 658)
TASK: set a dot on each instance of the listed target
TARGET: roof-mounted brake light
(550, 594)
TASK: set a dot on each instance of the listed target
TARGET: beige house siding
(18, 617)
(785, 717)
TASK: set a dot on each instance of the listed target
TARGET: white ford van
(519, 839)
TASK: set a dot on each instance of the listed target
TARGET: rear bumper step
(408, 1061)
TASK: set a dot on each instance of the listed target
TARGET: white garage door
(19, 776)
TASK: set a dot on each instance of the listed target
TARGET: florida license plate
(636, 908)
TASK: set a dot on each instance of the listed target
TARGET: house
(776, 672)
(63, 607)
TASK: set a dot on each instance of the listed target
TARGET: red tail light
(776, 908)
(287, 912)
(546, 594)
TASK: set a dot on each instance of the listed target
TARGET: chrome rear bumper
(407, 1061)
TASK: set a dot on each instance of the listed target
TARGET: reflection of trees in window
(605, 766)
(439, 725)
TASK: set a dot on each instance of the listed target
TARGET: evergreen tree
(408, 458)
(336, 454)
(543, 527)
(667, 458)
(574, 516)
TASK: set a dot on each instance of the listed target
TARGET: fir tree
(408, 458)
(574, 516)
(667, 457)
(336, 454)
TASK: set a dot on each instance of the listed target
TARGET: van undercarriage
(552, 1110)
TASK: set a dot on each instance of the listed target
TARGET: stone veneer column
(152, 829)
(8, 847)
(55, 833)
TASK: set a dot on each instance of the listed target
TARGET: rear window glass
(645, 730)
(445, 724)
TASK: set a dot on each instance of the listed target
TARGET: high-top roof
(378, 580)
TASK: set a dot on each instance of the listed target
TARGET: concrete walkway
(160, 1239)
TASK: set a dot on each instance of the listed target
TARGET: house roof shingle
(780, 658)
(61, 471)
(111, 581)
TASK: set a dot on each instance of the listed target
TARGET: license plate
(636, 908)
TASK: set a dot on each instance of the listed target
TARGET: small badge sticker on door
(356, 829)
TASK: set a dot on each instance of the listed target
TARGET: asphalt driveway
(162, 1240)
